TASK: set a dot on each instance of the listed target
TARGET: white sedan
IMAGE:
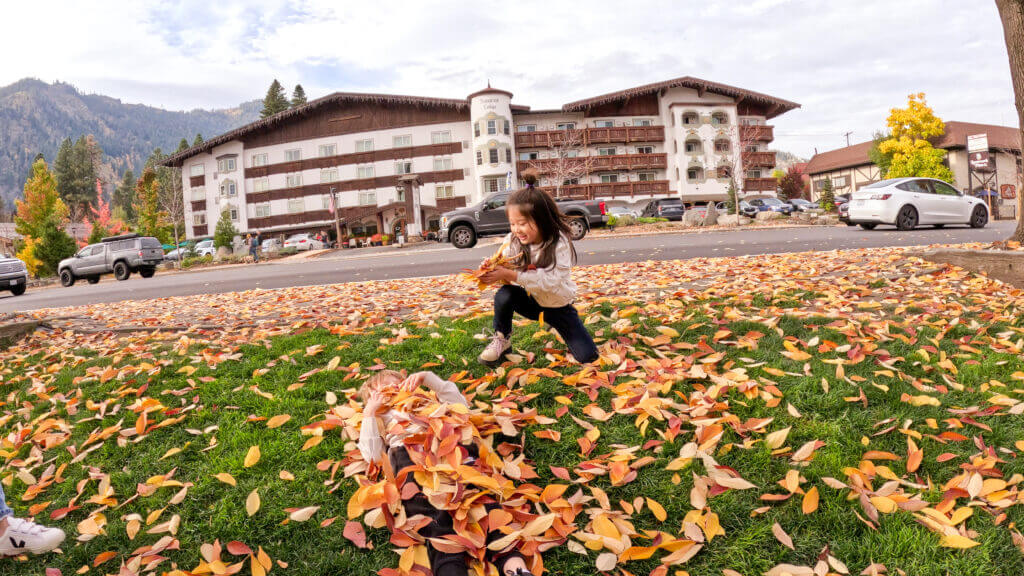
(909, 202)
(303, 242)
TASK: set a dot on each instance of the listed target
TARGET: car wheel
(868, 225)
(463, 237)
(577, 228)
(979, 218)
(121, 271)
(67, 278)
(93, 279)
(906, 219)
(147, 272)
(18, 289)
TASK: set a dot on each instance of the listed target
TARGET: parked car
(120, 255)
(745, 208)
(270, 245)
(909, 202)
(205, 248)
(841, 199)
(622, 211)
(462, 227)
(844, 213)
(771, 205)
(669, 208)
(13, 275)
(801, 205)
(303, 242)
(184, 250)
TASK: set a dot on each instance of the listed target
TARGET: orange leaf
(810, 503)
(103, 557)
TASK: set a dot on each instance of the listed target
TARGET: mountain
(35, 117)
(783, 160)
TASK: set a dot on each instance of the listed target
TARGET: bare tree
(172, 201)
(568, 160)
(1011, 12)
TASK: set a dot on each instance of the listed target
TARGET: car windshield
(205, 243)
(772, 201)
(299, 237)
(883, 183)
(672, 202)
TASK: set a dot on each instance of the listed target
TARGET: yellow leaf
(657, 510)
(778, 438)
(286, 476)
(278, 421)
(252, 503)
(225, 478)
(957, 541)
(252, 457)
(303, 514)
(810, 503)
(170, 453)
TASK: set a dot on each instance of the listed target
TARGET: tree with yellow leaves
(908, 146)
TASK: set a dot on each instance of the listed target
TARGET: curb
(708, 230)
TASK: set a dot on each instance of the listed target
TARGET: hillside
(36, 116)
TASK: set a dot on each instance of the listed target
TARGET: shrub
(613, 221)
(225, 232)
(651, 220)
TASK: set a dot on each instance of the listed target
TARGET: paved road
(442, 259)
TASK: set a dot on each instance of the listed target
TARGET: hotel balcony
(759, 159)
(758, 133)
(599, 163)
(612, 189)
(759, 185)
(588, 136)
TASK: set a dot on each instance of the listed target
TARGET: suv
(121, 255)
(13, 275)
(668, 208)
(463, 226)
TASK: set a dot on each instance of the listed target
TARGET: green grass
(214, 510)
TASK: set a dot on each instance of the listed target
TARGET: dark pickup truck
(487, 218)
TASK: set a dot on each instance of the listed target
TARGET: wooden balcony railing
(194, 181)
(588, 136)
(759, 133)
(759, 184)
(759, 159)
(612, 189)
(199, 230)
(599, 163)
(198, 205)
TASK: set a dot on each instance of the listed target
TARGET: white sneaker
(495, 351)
(23, 536)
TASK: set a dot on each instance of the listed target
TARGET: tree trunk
(1011, 12)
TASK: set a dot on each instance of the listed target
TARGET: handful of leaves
(493, 263)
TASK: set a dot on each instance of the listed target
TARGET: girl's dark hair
(553, 226)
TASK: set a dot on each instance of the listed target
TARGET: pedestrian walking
(254, 248)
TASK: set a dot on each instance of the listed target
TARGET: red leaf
(355, 533)
(236, 548)
(560, 472)
(53, 572)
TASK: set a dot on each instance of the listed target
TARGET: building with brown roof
(851, 169)
(392, 164)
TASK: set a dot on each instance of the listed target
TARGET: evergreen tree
(275, 101)
(183, 145)
(147, 207)
(54, 246)
(731, 201)
(298, 96)
(827, 197)
(199, 140)
(76, 166)
(124, 197)
(225, 232)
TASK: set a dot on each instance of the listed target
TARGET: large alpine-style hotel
(396, 163)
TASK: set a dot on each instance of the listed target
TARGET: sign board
(977, 143)
(1008, 191)
(980, 161)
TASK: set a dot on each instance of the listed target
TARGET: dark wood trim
(759, 159)
(447, 204)
(349, 185)
(757, 132)
(600, 163)
(709, 104)
(194, 181)
(198, 205)
(760, 185)
(199, 230)
(355, 158)
(589, 136)
(613, 189)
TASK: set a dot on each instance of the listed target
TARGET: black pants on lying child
(565, 320)
(443, 563)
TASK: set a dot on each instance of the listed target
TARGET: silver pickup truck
(120, 255)
(13, 275)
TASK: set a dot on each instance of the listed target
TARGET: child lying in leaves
(445, 485)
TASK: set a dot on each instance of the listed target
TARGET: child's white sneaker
(495, 351)
(23, 536)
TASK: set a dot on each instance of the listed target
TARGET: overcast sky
(845, 61)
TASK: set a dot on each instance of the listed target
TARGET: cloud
(846, 61)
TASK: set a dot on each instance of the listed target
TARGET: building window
(257, 160)
(367, 197)
(492, 184)
(719, 119)
(839, 182)
(199, 193)
(642, 122)
(570, 182)
(365, 172)
(693, 146)
(233, 213)
(328, 175)
(197, 170)
(403, 141)
(722, 146)
(325, 150)
(750, 121)
(645, 149)
(753, 174)
(526, 128)
(694, 174)
(261, 210)
(199, 218)
(444, 191)
(493, 155)
(476, 128)
(364, 145)
(609, 178)
(479, 157)
(293, 155)
(565, 126)
(227, 188)
(604, 123)
(293, 180)
(492, 126)
(442, 164)
(645, 176)
(326, 202)
(507, 126)
(606, 151)
(403, 167)
(261, 185)
(440, 137)
(570, 153)
(690, 118)
(296, 205)
(525, 156)
(226, 165)
(508, 155)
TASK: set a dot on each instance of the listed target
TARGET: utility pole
(847, 134)
(337, 221)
